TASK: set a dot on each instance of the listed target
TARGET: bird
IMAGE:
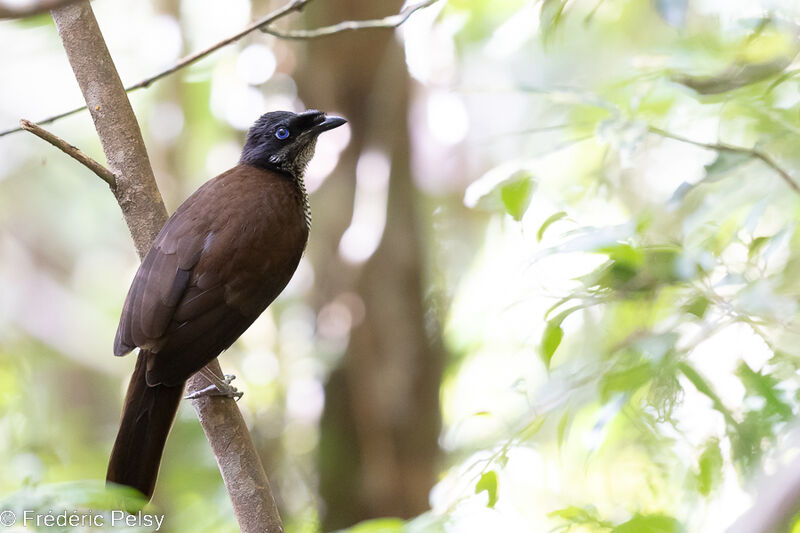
(222, 257)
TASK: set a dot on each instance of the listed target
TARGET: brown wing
(160, 282)
(218, 262)
(153, 297)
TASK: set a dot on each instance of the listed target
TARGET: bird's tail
(146, 421)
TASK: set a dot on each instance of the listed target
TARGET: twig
(294, 5)
(290, 7)
(392, 21)
(71, 151)
(722, 147)
(18, 12)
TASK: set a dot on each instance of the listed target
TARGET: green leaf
(726, 161)
(734, 76)
(380, 525)
(662, 264)
(710, 467)
(767, 387)
(556, 305)
(756, 245)
(563, 426)
(571, 513)
(581, 516)
(704, 388)
(516, 194)
(697, 306)
(550, 17)
(632, 268)
(748, 440)
(624, 254)
(553, 334)
(507, 188)
(547, 223)
(655, 523)
(488, 482)
(626, 380)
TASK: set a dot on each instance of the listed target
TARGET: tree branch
(102, 172)
(294, 5)
(729, 148)
(143, 208)
(392, 21)
(290, 7)
(18, 12)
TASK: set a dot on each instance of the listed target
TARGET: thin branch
(18, 12)
(531, 131)
(294, 5)
(392, 21)
(102, 172)
(729, 148)
(290, 7)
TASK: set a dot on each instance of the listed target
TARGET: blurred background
(552, 283)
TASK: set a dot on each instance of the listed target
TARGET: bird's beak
(329, 123)
(314, 122)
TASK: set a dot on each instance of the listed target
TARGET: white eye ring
(282, 133)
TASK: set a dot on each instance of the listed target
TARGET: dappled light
(551, 284)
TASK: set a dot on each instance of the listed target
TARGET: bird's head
(285, 141)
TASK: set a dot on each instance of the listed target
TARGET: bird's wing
(181, 318)
(212, 270)
(159, 284)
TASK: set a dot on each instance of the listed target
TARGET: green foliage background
(623, 323)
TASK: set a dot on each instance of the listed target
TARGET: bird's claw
(218, 388)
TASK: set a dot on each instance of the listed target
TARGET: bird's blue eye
(282, 133)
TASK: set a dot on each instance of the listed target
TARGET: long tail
(146, 420)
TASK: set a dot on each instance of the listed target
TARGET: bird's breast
(254, 239)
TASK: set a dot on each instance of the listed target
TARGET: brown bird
(218, 262)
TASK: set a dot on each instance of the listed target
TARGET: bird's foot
(219, 387)
(214, 390)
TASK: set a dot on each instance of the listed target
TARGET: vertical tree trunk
(381, 421)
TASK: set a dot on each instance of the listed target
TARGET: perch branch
(392, 21)
(290, 7)
(729, 148)
(143, 209)
(102, 172)
(294, 5)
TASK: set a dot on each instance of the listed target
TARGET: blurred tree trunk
(380, 428)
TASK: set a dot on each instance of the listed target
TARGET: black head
(285, 141)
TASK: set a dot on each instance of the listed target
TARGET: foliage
(620, 297)
(670, 342)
